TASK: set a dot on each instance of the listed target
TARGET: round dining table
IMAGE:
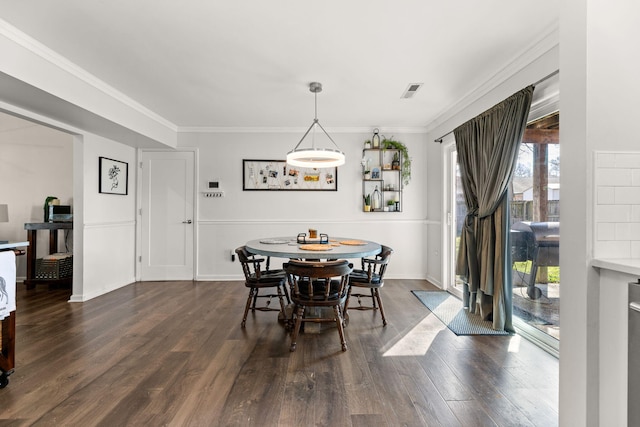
(335, 248)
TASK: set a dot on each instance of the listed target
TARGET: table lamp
(4, 217)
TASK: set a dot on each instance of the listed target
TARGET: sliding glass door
(455, 211)
(535, 229)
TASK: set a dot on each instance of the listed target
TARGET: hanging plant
(406, 160)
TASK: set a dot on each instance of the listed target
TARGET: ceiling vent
(411, 90)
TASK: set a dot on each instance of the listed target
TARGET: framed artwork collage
(275, 175)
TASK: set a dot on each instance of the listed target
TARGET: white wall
(35, 162)
(600, 91)
(106, 225)
(226, 223)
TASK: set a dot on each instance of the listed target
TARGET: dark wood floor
(173, 353)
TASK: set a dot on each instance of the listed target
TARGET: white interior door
(167, 215)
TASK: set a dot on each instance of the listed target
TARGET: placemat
(273, 241)
(316, 247)
(353, 242)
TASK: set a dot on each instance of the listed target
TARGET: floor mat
(449, 310)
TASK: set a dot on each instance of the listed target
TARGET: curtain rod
(547, 77)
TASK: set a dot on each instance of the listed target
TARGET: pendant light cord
(315, 98)
(315, 121)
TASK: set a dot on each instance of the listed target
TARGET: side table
(32, 228)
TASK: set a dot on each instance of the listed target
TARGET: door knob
(187, 221)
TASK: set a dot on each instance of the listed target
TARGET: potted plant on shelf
(391, 204)
(405, 169)
(367, 203)
(395, 163)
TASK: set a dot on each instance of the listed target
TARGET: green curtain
(488, 147)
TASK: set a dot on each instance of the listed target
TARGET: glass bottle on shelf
(375, 139)
(376, 199)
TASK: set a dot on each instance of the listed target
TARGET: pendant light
(314, 157)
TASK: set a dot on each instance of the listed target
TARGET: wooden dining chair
(318, 284)
(370, 277)
(256, 279)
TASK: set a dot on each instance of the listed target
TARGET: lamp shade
(4, 213)
(315, 158)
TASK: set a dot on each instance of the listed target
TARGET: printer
(60, 213)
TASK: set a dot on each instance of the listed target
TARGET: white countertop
(622, 265)
(12, 245)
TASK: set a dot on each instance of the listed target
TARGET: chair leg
(255, 300)
(281, 298)
(373, 297)
(338, 316)
(377, 297)
(345, 316)
(286, 294)
(346, 302)
(296, 327)
(248, 305)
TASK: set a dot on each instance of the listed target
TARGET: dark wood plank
(173, 353)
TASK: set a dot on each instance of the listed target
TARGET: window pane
(535, 224)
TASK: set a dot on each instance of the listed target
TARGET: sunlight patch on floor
(417, 341)
(514, 344)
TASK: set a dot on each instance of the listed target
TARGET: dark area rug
(449, 310)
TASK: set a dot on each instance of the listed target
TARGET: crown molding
(275, 129)
(42, 51)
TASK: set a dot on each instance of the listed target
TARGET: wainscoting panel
(216, 240)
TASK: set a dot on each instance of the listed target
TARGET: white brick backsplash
(606, 195)
(623, 231)
(635, 249)
(628, 160)
(613, 177)
(606, 231)
(617, 205)
(612, 249)
(627, 195)
(605, 160)
(613, 213)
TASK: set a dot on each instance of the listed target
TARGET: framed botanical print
(113, 176)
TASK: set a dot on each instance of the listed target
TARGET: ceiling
(245, 64)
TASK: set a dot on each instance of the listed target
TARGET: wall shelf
(383, 176)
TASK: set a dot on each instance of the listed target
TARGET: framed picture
(113, 176)
(269, 175)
